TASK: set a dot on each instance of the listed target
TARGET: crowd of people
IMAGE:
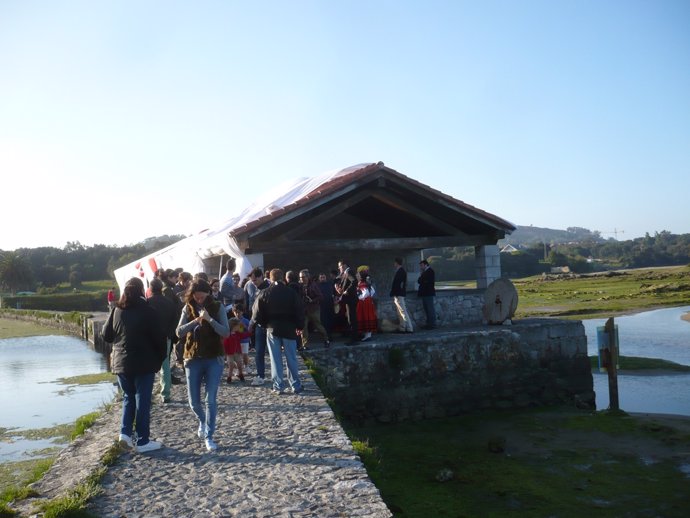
(203, 326)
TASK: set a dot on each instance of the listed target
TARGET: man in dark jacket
(168, 317)
(256, 278)
(398, 292)
(311, 297)
(346, 288)
(427, 292)
(327, 297)
(169, 291)
(279, 309)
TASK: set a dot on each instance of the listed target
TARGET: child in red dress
(233, 348)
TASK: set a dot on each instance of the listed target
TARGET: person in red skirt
(367, 320)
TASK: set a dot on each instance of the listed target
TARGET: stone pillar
(487, 260)
(411, 264)
(247, 263)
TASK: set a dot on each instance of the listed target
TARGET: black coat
(348, 285)
(426, 281)
(399, 286)
(280, 309)
(168, 314)
(139, 343)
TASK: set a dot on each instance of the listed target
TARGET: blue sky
(125, 120)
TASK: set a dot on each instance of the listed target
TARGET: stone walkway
(283, 456)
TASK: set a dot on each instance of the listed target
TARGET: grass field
(528, 463)
(597, 295)
(12, 328)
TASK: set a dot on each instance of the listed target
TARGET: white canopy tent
(190, 253)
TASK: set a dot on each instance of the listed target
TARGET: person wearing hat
(367, 320)
(427, 292)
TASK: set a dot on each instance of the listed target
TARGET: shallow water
(32, 397)
(666, 394)
(660, 333)
(653, 334)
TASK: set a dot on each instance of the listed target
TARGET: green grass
(83, 423)
(16, 476)
(597, 295)
(73, 504)
(636, 363)
(405, 462)
(26, 471)
(59, 432)
(89, 379)
(13, 328)
(85, 287)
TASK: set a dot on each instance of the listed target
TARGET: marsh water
(661, 333)
(32, 396)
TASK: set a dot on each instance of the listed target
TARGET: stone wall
(446, 373)
(453, 308)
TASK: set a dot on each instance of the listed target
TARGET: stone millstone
(500, 301)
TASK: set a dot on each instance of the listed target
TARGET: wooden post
(610, 362)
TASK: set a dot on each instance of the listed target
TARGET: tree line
(40, 269)
(586, 255)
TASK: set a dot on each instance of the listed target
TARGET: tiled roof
(339, 182)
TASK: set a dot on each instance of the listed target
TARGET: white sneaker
(256, 382)
(125, 441)
(210, 445)
(149, 446)
(201, 432)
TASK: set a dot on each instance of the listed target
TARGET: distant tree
(49, 276)
(15, 272)
(521, 264)
(74, 246)
(558, 259)
(75, 279)
(579, 264)
(75, 275)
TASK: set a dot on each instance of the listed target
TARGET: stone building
(368, 214)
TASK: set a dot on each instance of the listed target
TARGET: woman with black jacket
(139, 348)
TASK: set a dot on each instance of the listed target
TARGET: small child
(233, 348)
(238, 311)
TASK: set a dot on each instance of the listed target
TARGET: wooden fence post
(610, 362)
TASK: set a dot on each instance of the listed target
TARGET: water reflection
(30, 367)
(660, 333)
(653, 334)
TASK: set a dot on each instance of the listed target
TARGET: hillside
(527, 236)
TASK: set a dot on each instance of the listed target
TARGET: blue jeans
(290, 348)
(136, 405)
(428, 304)
(210, 371)
(260, 348)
